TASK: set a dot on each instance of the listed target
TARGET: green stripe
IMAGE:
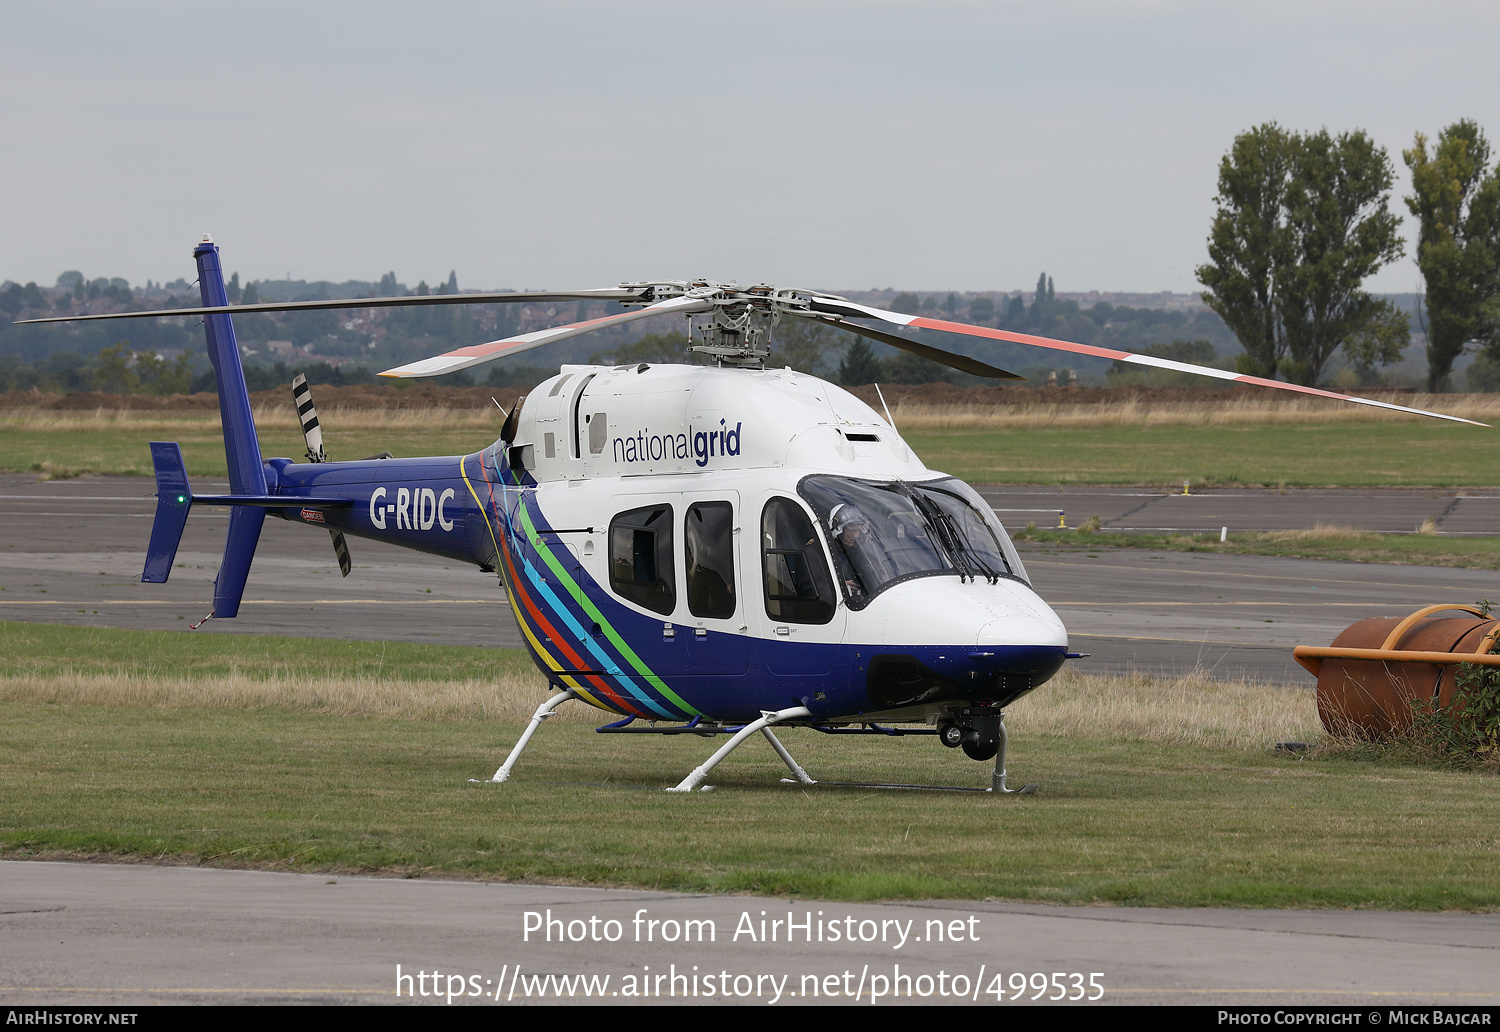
(545, 551)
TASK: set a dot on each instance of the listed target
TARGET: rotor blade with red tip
(849, 309)
(477, 354)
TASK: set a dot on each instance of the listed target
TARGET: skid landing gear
(543, 711)
(997, 779)
(981, 735)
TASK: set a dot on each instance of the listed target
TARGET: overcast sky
(836, 145)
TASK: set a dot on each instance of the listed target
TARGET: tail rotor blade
(341, 550)
(312, 434)
(848, 310)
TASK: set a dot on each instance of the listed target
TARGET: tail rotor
(312, 434)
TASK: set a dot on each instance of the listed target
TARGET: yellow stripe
(557, 667)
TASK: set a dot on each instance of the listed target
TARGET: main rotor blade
(476, 354)
(849, 309)
(963, 363)
(509, 297)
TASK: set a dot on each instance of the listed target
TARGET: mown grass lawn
(1119, 819)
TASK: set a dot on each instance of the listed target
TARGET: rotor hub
(738, 328)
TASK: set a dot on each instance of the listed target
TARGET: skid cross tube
(543, 711)
(766, 718)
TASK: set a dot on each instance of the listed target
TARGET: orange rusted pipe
(1311, 656)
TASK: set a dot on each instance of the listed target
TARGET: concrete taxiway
(73, 552)
(127, 935)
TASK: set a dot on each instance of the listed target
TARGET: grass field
(1295, 443)
(333, 756)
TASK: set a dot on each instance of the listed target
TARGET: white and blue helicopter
(701, 549)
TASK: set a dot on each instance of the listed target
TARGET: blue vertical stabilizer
(247, 474)
(173, 500)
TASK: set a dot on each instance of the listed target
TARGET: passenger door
(718, 635)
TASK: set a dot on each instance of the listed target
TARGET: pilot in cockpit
(866, 567)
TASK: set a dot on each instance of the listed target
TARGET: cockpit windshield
(884, 533)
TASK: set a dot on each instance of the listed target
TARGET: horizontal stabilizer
(272, 502)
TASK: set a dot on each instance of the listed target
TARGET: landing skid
(794, 716)
(997, 779)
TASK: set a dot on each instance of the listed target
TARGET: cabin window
(799, 588)
(550, 442)
(598, 432)
(708, 545)
(640, 558)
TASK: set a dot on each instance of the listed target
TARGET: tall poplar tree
(1456, 199)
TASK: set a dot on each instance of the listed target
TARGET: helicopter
(705, 550)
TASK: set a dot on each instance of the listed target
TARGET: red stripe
(542, 623)
(1020, 338)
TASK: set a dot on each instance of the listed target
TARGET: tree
(906, 367)
(982, 310)
(1456, 199)
(1248, 244)
(114, 375)
(1342, 231)
(1302, 221)
(802, 344)
(906, 303)
(860, 366)
(232, 289)
(1042, 299)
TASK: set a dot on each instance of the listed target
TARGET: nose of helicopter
(946, 611)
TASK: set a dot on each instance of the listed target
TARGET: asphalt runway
(133, 935)
(73, 550)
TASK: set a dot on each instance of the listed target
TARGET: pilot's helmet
(844, 516)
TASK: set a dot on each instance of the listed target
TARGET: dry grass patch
(1193, 710)
(1041, 413)
(1320, 532)
(509, 697)
(273, 416)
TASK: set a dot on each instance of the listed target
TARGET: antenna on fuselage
(883, 405)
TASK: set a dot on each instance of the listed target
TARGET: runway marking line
(1112, 605)
(1261, 576)
(1189, 641)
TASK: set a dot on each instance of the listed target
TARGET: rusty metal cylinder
(1372, 698)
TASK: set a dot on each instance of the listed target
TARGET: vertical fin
(247, 472)
(173, 500)
(312, 434)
